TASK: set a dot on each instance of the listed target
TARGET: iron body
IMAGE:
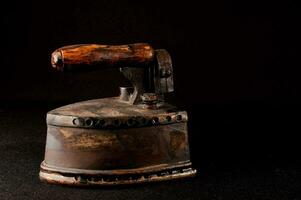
(134, 138)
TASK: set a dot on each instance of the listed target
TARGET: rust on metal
(116, 179)
(134, 138)
(165, 79)
(113, 113)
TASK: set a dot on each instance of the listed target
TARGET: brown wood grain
(76, 56)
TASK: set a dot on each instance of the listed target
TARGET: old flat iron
(133, 138)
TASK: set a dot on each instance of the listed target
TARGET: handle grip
(80, 56)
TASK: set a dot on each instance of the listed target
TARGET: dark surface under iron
(237, 150)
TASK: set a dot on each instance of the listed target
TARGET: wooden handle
(77, 56)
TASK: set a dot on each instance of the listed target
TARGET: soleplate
(116, 179)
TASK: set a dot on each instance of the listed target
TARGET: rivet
(142, 121)
(89, 122)
(179, 118)
(165, 73)
(116, 122)
(130, 122)
(78, 121)
(168, 118)
(155, 120)
(102, 122)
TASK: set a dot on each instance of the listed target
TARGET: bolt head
(149, 97)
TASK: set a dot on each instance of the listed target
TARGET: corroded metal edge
(116, 179)
(140, 170)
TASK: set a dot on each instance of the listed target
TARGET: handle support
(148, 70)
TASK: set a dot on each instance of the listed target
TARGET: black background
(236, 67)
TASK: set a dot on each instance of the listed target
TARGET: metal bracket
(164, 75)
(157, 79)
(136, 77)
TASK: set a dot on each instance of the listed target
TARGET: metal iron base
(116, 177)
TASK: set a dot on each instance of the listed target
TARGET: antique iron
(134, 138)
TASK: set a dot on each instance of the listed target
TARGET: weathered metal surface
(137, 76)
(111, 137)
(116, 149)
(77, 179)
(125, 93)
(112, 113)
(164, 78)
(133, 138)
